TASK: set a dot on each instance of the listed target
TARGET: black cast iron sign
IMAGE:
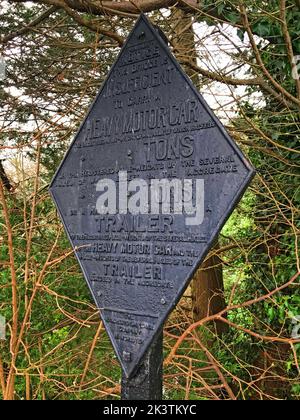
(144, 190)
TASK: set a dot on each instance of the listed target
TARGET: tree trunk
(208, 291)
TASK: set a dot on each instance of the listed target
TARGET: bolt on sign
(144, 190)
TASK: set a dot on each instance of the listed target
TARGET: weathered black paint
(149, 120)
(146, 383)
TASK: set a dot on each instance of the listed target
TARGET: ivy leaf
(233, 17)
(262, 28)
(221, 8)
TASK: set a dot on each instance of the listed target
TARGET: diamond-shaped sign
(144, 190)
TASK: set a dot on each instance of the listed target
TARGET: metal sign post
(147, 382)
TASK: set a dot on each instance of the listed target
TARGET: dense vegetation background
(236, 332)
